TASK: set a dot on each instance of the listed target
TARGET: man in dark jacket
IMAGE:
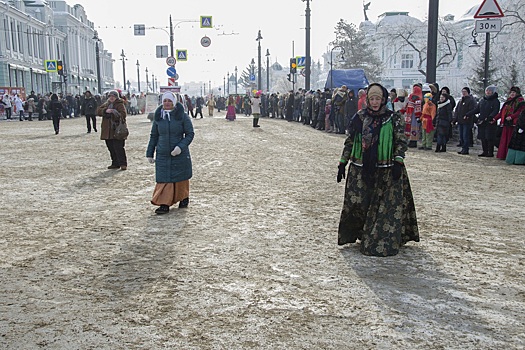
(89, 109)
(465, 122)
(488, 107)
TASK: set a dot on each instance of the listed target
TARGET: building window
(29, 46)
(19, 35)
(407, 60)
(6, 33)
(13, 36)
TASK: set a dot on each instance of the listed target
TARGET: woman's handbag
(121, 130)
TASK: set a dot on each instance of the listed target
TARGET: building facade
(33, 32)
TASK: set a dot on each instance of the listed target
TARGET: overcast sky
(281, 22)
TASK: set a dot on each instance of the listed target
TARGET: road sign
(206, 22)
(301, 61)
(170, 61)
(171, 71)
(489, 9)
(51, 65)
(303, 72)
(171, 82)
(182, 55)
(139, 29)
(488, 26)
(177, 76)
(252, 77)
(205, 41)
(163, 89)
(162, 51)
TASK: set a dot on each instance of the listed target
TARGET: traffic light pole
(64, 76)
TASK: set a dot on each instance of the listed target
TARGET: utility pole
(308, 59)
(433, 15)
(259, 38)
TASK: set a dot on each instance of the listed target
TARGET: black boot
(256, 122)
(163, 209)
(443, 148)
(484, 146)
(438, 148)
(490, 149)
(184, 203)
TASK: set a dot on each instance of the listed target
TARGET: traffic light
(60, 68)
(289, 77)
(293, 65)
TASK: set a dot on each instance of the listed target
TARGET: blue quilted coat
(166, 133)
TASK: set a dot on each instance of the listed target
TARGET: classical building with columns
(35, 31)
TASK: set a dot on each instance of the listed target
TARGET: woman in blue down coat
(171, 134)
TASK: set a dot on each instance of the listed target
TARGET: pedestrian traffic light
(60, 68)
(289, 77)
(293, 65)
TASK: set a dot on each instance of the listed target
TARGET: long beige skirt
(170, 193)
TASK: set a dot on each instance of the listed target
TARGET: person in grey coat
(168, 147)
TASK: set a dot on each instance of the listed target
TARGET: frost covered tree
(358, 51)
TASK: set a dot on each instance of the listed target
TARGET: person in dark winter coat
(488, 108)
(55, 109)
(170, 138)
(113, 112)
(442, 122)
(89, 109)
(465, 121)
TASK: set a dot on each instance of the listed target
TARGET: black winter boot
(443, 148)
(438, 148)
(256, 122)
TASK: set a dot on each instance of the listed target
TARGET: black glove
(397, 169)
(341, 171)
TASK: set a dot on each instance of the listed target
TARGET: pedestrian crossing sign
(182, 55)
(51, 65)
(206, 22)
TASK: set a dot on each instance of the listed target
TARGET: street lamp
(224, 85)
(252, 73)
(129, 84)
(156, 84)
(204, 85)
(209, 86)
(235, 80)
(97, 56)
(138, 76)
(123, 68)
(147, 82)
(487, 54)
(307, 41)
(332, 61)
(267, 70)
(152, 82)
(228, 79)
(259, 38)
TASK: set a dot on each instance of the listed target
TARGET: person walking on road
(168, 147)
(55, 109)
(378, 206)
(255, 103)
(113, 112)
(230, 109)
(89, 109)
(211, 105)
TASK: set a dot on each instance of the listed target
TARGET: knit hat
(113, 93)
(169, 95)
(374, 90)
(428, 96)
(492, 88)
(425, 87)
(467, 89)
(433, 88)
(516, 90)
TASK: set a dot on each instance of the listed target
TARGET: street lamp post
(252, 73)
(138, 76)
(332, 62)
(307, 54)
(487, 53)
(152, 82)
(224, 85)
(228, 80)
(156, 84)
(267, 70)
(209, 86)
(97, 57)
(147, 82)
(204, 85)
(123, 68)
(259, 38)
(235, 80)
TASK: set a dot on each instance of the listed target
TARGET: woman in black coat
(488, 108)
(55, 108)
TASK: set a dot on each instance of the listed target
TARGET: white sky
(281, 22)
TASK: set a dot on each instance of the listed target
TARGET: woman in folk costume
(427, 118)
(378, 206)
(509, 114)
(413, 115)
(230, 109)
(442, 122)
(170, 137)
